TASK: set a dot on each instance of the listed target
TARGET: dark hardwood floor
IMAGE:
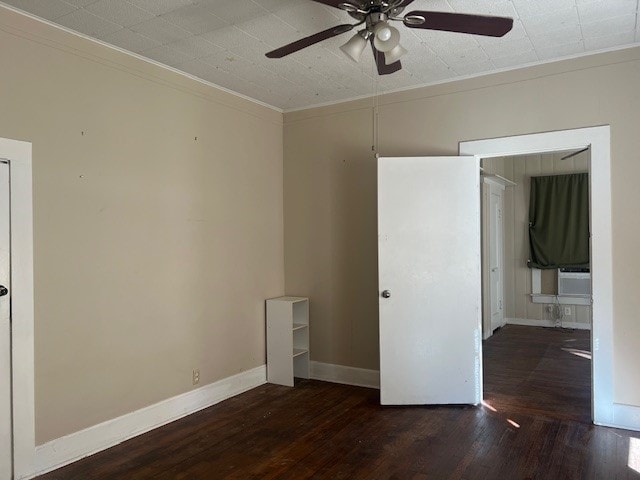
(535, 425)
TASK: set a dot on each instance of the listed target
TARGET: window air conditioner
(574, 283)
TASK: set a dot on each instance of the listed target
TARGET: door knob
(386, 294)
(3, 291)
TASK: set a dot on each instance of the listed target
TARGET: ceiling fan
(385, 39)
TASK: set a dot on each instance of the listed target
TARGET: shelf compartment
(299, 351)
(298, 326)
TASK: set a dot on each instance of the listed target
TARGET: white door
(5, 328)
(429, 277)
(496, 249)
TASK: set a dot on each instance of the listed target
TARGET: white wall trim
(599, 139)
(360, 377)
(626, 417)
(530, 322)
(68, 449)
(138, 56)
(19, 156)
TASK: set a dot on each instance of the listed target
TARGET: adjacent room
(537, 281)
(319, 239)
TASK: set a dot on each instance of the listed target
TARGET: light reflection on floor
(517, 425)
(509, 421)
(579, 353)
(486, 404)
(634, 454)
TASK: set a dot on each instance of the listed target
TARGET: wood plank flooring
(535, 425)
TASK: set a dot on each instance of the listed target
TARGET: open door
(429, 280)
(6, 439)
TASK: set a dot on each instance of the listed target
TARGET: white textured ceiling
(224, 41)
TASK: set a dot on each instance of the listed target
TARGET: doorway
(537, 322)
(598, 139)
(17, 389)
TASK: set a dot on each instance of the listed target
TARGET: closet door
(494, 256)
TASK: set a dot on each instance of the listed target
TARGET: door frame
(604, 410)
(18, 154)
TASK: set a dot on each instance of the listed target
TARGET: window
(559, 221)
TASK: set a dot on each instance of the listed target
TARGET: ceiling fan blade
(461, 22)
(383, 68)
(308, 41)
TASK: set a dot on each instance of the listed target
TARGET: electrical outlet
(196, 376)
(567, 311)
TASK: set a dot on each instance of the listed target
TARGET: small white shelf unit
(287, 339)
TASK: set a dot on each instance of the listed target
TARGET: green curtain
(559, 221)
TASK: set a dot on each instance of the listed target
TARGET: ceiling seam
(528, 35)
(298, 61)
(637, 35)
(584, 46)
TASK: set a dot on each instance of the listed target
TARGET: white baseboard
(73, 447)
(359, 377)
(529, 322)
(626, 417)
(68, 449)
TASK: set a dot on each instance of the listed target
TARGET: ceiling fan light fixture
(383, 33)
(355, 46)
(386, 37)
(394, 54)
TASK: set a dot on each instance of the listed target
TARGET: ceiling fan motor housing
(360, 10)
(375, 18)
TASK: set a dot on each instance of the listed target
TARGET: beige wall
(517, 281)
(330, 187)
(154, 251)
